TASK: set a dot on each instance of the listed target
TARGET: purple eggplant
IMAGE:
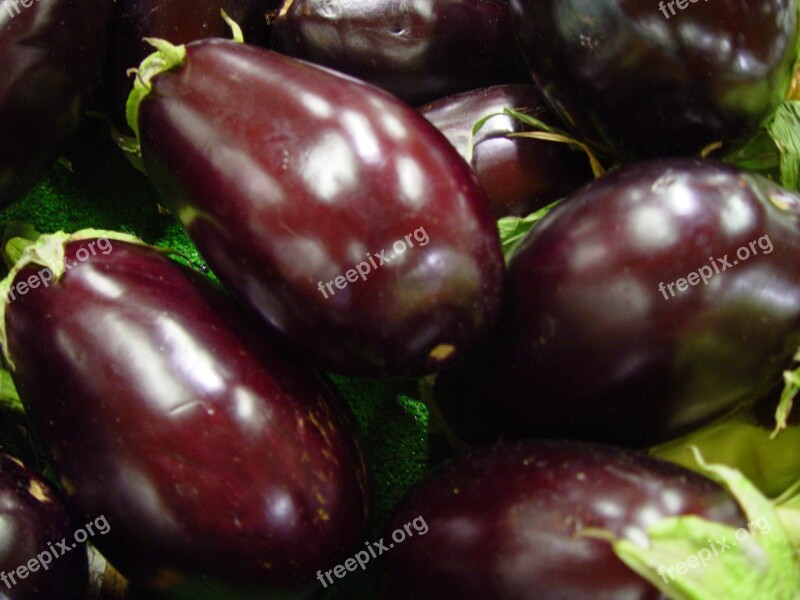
(339, 214)
(646, 78)
(519, 175)
(218, 464)
(51, 53)
(418, 50)
(39, 557)
(648, 303)
(505, 523)
(180, 22)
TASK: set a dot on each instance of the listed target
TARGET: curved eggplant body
(519, 175)
(339, 214)
(217, 463)
(657, 79)
(51, 53)
(33, 519)
(505, 523)
(418, 50)
(648, 303)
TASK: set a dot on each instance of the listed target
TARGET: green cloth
(102, 190)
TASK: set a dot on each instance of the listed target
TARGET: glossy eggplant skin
(519, 175)
(51, 55)
(503, 522)
(593, 344)
(34, 519)
(417, 50)
(287, 176)
(179, 22)
(646, 83)
(217, 463)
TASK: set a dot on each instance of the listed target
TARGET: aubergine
(33, 520)
(51, 55)
(220, 466)
(520, 175)
(505, 523)
(343, 218)
(650, 302)
(180, 22)
(650, 79)
(418, 50)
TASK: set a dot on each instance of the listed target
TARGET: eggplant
(647, 304)
(520, 175)
(417, 50)
(220, 466)
(33, 520)
(180, 22)
(647, 79)
(507, 523)
(51, 54)
(338, 214)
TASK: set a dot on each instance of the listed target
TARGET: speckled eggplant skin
(217, 463)
(51, 55)
(646, 83)
(520, 175)
(287, 176)
(418, 50)
(599, 340)
(33, 519)
(502, 523)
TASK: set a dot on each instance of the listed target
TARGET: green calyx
(166, 58)
(691, 558)
(47, 251)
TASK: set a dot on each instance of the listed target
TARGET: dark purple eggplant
(33, 520)
(647, 78)
(520, 175)
(646, 304)
(339, 214)
(51, 53)
(179, 22)
(417, 50)
(505, 523)
(218, 464)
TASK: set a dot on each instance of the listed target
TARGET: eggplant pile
(51, 54)
(421, 300)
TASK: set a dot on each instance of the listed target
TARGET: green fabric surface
(100, 189)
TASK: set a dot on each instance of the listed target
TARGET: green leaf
(691, 558)
(771, 463)
(784, 129)
(514, 229)
(775, 151)
(476, 127)
(8, 393)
